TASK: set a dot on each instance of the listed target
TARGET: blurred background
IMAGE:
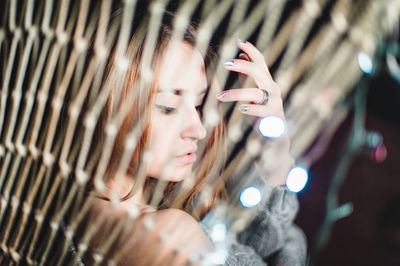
(370, 235)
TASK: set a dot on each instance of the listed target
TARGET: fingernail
(241, 41)
(243, 108)
(221, 94)
(229, 63)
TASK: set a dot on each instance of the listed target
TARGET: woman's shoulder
(175, 222)
(175, 219)
(174, 213)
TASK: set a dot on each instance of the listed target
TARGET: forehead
(182, 67)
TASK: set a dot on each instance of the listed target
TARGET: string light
(365, 62)
(297, 179)
(250, 197)
(272, 126)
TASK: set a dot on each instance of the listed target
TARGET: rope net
(69, 127)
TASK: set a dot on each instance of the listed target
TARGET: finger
(243, 77)
(254, 54)
(253, 95)
(273, 107)
(262, 80)
(244, 56)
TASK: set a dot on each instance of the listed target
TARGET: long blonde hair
(211, 161)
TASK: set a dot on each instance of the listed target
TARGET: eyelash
(170, 110)
(166, 110)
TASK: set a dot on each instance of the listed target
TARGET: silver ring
(266, 97)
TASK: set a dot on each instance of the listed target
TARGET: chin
(178, 174)
(175, 179)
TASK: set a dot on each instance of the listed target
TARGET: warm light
(365, 62)
(296, 179)
(250, 197)
(272, 126)
(218, 232)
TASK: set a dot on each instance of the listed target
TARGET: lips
(189, 156)
(192, 149)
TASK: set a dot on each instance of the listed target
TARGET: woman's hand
(251, 63)
(255, 102)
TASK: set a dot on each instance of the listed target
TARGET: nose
(193, 127)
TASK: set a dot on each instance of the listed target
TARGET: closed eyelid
(180, 91)
(166, 109)
(166, 98)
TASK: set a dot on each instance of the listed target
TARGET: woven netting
(61, 60)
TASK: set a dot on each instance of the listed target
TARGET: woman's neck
(122, 187)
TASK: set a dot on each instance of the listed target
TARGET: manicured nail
(229, 63)
(221, 94)
(243, 108)
(241, 41)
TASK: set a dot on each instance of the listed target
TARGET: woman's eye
(166, 110)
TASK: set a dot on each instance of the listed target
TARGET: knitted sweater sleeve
(241, 254)
(271, 237)
(272, 233)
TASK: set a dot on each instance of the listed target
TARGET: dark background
(371, 234)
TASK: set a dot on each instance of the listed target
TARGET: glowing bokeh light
(296, 179)
(250, 197)
(218, 257)
(365, 62)
(272, 126)
(218, 232)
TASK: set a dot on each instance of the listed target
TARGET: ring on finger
(265, 97)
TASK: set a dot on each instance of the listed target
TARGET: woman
(169, 112)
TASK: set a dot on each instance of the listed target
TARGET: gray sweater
(271, 238)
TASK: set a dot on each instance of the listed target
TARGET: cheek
(156, 135)
(162, 135)
(164, 144)
(161, 143)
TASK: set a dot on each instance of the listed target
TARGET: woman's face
(176, 126)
